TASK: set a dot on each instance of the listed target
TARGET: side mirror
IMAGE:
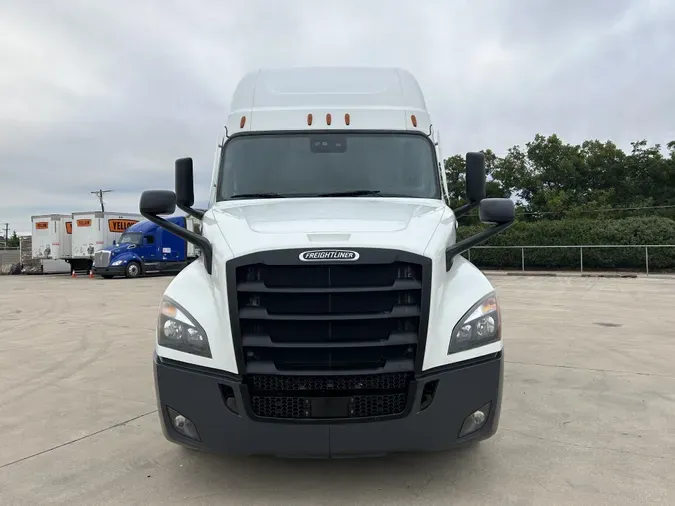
(114, 242)
(497, 211)
(185, 191)
(475, 183)
(475, 177)
(158, 202)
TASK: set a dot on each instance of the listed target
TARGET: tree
(13, 241)
(551, 179)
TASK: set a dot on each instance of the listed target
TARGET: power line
(99, 194)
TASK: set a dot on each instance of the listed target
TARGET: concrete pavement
(588, 413)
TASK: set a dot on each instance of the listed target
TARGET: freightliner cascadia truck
(330, 312)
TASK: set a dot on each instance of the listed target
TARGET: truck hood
(406, 224)
(117, 249)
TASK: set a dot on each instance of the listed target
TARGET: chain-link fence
(644, 257)
(9, 256)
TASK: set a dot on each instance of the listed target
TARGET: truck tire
(133, 270)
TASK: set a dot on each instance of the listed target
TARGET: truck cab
(331, 312)
(145, 248)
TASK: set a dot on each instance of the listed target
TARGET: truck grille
(101, 258)
(358, 396)
(329, 339)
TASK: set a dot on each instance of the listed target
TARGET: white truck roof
(359, 98)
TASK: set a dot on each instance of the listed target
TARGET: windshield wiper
(269, 195)
(353, 193)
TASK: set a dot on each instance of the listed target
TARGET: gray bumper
(198, 394)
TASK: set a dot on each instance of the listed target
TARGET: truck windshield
(130, 238)
(328, 164)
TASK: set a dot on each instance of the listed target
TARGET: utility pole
(6, 234)
(99, 194)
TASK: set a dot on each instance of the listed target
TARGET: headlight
(479, 326)
(117, 262)
(178, 330)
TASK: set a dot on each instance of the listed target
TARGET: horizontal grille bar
(263, 314)
(265, 341)
(328, 384)
(261, 287)
(333, 276)
(330, 303)
(308, 331)
(334, 358)
(312, 369)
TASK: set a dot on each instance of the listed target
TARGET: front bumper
(198, 394)
(117, 270)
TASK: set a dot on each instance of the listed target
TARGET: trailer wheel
(133, 270)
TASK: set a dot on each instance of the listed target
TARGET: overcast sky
(107, 94)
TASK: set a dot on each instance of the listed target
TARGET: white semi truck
(331, 312)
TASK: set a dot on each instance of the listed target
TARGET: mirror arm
(197, 213)
(203, 243)
(470, 242)
(462, 210)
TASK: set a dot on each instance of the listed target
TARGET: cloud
(107, 95)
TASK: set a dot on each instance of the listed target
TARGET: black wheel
(133, 270)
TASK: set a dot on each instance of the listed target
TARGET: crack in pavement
(587, 447)
(119, 424)
(614, 371)
(56, 384)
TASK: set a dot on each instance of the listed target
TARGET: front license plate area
(330, 407)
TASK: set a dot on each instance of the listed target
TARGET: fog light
(475, 421)
(183, 425)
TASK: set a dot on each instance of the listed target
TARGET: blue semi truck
(145, 248)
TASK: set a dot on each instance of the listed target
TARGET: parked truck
(331, 311)
(91, 231)
(146, 248)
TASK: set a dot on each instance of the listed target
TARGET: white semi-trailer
(330, 312)
(51, 243)
(92, 230)
(51, 236)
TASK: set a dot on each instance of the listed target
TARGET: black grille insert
(357, 406)
(325, 384)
